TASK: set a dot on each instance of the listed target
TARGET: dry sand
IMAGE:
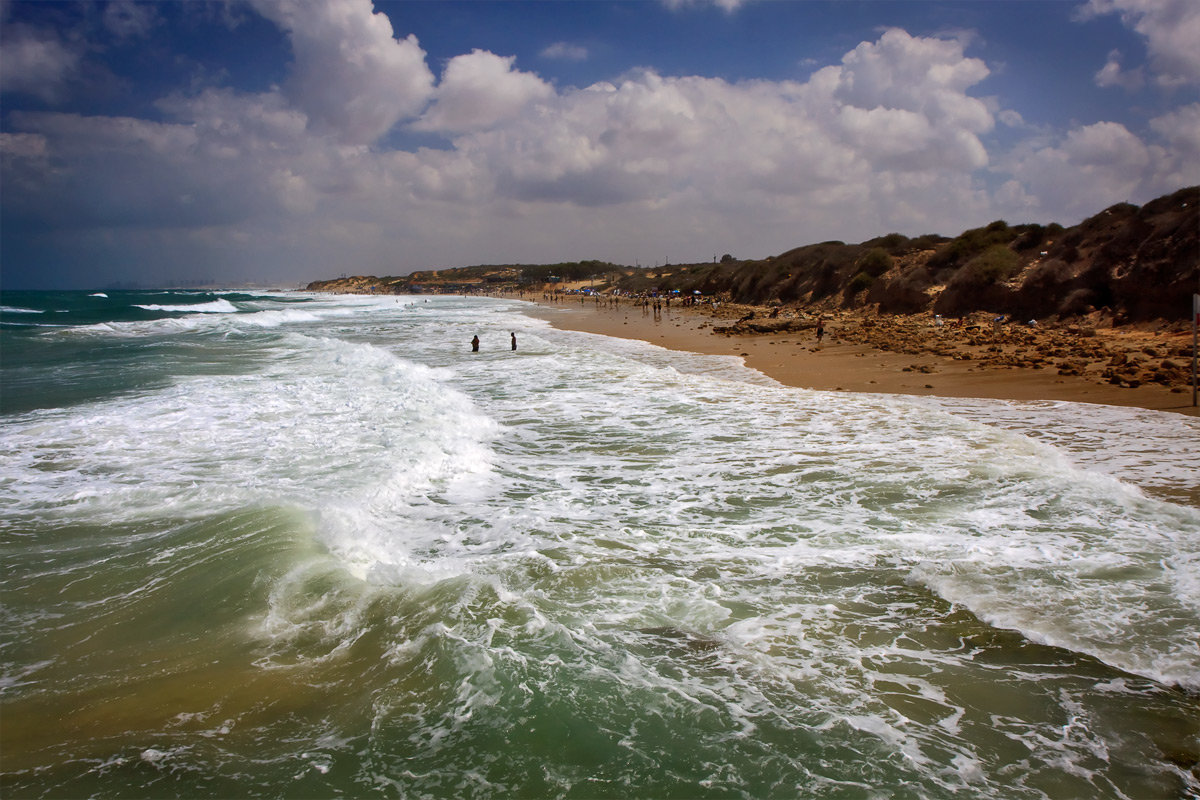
(839, 364)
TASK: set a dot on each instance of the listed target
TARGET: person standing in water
(514, 341)
(475, 344)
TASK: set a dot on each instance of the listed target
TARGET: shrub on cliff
(997, 263)
(859, 282)
(875, 262)
(969, 244)
(979, 285)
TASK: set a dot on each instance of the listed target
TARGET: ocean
(292, 545)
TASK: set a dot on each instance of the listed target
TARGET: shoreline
(839, 363)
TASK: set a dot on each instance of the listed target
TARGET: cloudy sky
(279, 142)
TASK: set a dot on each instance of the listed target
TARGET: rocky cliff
(1125, 264)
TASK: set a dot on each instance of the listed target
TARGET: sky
(278, 142)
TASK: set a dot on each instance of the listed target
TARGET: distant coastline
(1097, 313)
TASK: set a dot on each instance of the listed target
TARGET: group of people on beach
(475, 343)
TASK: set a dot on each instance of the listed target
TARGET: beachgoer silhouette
(475, 344)
(514, 341)
(820, 330)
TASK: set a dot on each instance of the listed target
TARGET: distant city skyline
(283, 142)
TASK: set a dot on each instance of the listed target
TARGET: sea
(283, 544)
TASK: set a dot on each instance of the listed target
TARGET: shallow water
(289, 545)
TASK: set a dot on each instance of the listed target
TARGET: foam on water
(1149, 449)
(593, 566)
(221, 306)
(323, 418)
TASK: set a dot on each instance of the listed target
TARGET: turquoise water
(295, 545)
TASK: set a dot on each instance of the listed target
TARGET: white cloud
(670, 162)
(850, 152)
(564, 51)
(225, 121)
(37, 62)
(925, 75)
(728, 6)
(1181, 128)
(78, 136)
(1011, 118)
(22, 145)
(648, 167)
(352, 78)
(1180, 160)
(1171, 29)
(479, 90)
(1112, 74)
(1092, 167)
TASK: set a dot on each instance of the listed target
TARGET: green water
(332, 554)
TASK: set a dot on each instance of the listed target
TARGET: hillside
(1127, 264)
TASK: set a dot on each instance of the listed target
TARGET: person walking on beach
(475, 344)
(514, 341)
(820, 330)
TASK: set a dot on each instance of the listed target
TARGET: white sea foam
(1147, 448)
(343, 425)
(219, 306)
(212, 322)
(600, 519)
(19, 310)
(850, 480)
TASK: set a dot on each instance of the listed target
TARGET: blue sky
(280, 142)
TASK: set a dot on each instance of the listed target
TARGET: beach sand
(839, 363)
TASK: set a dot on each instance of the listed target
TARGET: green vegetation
(1138, 259)
(958, 251)
(875, 262)
(859, 282)
(997, 263)
(566, 271)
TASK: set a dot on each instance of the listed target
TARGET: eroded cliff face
(357, 284)
(1138, 263)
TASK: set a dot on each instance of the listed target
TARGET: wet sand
(842, 362)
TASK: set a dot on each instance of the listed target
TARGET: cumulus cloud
(351, 77)
(1171, 29)
(1182, 129)
(479, 90)
(1180, 160)
(896, 106)
(888, 138)
(1091, 167)
(1112, 74)
(929, 76)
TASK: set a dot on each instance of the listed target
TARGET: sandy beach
(938, 360)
